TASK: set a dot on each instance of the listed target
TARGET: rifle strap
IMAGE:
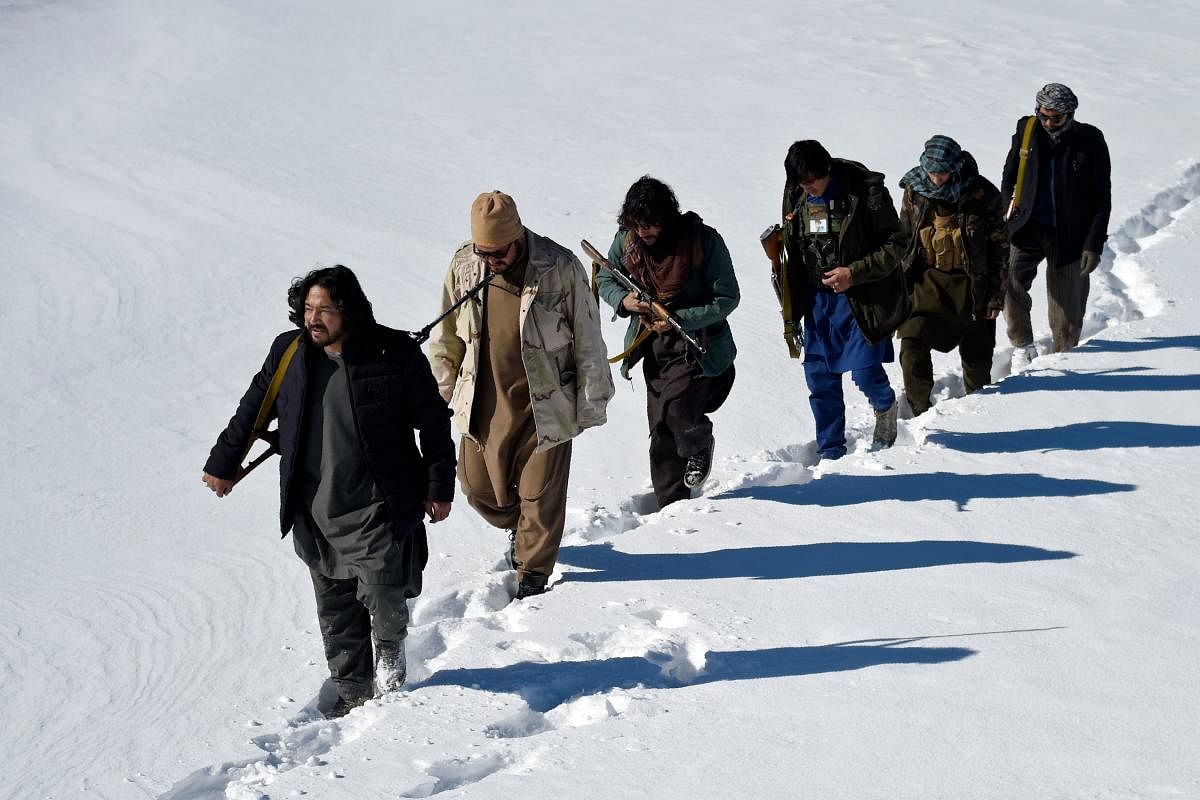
(264, 410)
(642, 335)
(1026, 139)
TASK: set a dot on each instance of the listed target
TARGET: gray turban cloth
(1057, 97)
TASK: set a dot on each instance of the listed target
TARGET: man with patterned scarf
(956, 262)
(685, 264)
(1059, 196)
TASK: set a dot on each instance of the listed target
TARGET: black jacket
(1082, 186)
(870, 245)
(985, 238)
(393, 394)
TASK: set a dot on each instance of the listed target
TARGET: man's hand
(635, 306)
(838, 279)
(220, 486)
(437, 510)
(1088, 262)
(657, 325)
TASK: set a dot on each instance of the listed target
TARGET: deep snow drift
(1003, 605)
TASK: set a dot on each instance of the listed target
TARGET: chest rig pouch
(822, 225)
(942, 244)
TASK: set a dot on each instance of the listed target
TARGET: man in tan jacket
(525, 370)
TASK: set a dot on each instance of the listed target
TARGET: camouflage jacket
(562, 348)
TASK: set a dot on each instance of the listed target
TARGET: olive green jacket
(984, 235)
(706, 299)
(870, 245)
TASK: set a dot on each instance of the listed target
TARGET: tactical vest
(942, 244)
(820, 227)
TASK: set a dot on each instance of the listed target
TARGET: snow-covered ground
(1003, 605)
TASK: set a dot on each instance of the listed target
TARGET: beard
(319, 335)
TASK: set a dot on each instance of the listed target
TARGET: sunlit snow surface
(1003, 605)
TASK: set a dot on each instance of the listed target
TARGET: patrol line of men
(520, 364)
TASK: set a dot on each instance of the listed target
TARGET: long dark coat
(1082, 187)
(393, 393)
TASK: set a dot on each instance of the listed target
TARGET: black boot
(390, 665)
(530, 585)
(695, 472)
(349, 698)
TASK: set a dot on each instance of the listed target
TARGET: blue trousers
(829, 408)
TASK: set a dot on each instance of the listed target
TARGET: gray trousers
(348, 610)
(1066, 289)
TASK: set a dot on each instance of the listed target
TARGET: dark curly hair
(649, 202)
(342, 286)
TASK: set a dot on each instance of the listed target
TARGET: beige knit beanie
(495, 223)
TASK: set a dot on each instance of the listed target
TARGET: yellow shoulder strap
(1026, 138)
(264, 411)
(637, 342)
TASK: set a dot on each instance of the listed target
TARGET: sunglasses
(1053, 119)
(495, 255)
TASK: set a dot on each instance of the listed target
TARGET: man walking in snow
(524, 371)
(686, 266)
(1057, 189)
(956, 261)
(353, 484)
(843, 242)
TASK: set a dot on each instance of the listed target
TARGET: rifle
(772, 240)
(422, 335)
(271, 437)
(661, 312)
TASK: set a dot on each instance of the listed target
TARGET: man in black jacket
(1059, 197)
(353, 485)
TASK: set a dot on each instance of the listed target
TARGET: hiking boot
(529, 586)
(885, 426)
(832, 454)
(695, 472)
(390, 665)
(1022, 357)
(348, 700)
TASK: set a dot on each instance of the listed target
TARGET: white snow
(1004, 605)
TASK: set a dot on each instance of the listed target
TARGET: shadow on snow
(547, 685)
(1079, 436)
(1140, 345)
(847, 490)
(792, 561)
(1122, 379)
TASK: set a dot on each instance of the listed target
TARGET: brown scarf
(663, 273)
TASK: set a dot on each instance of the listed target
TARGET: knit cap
(495, 223)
